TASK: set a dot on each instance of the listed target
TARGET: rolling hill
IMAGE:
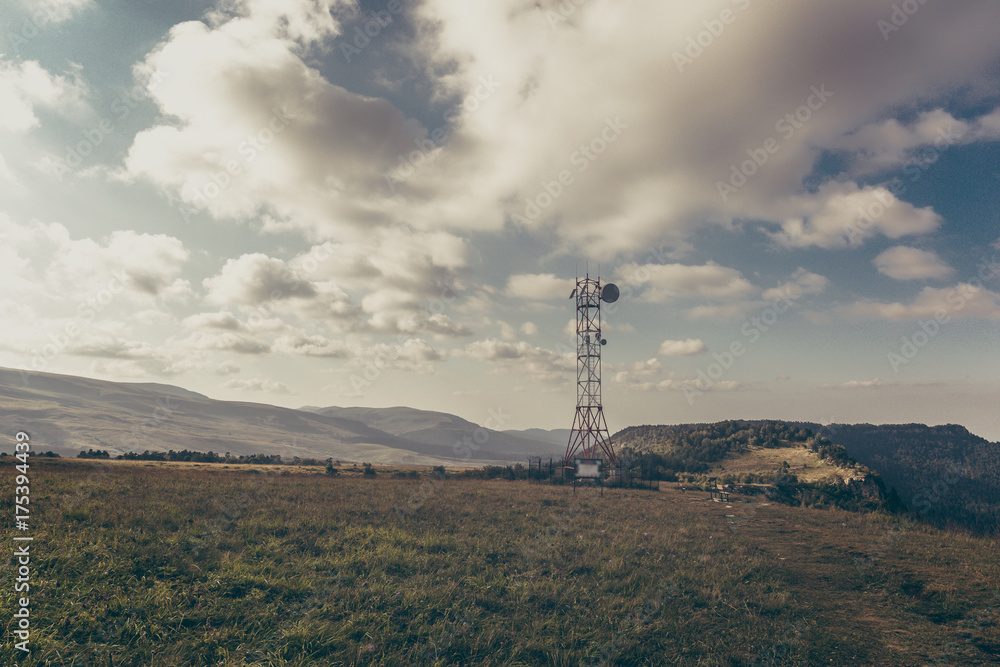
(445, 435)
(69, 414)
(944, 474)
(941, 474)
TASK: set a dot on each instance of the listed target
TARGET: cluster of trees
(688, 451)
(516, 471)
(202, 457)
(827, 494)
(94, 454)
(49, 454)
(942, 474)
(696, 448)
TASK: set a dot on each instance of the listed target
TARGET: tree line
(203, 457)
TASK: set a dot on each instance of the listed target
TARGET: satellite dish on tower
(609, 293)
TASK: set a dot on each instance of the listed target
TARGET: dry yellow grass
(804, 464)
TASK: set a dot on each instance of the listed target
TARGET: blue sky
(330, 203)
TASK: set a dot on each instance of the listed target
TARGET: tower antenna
(589, 437)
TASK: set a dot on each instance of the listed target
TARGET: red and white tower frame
(589, 437)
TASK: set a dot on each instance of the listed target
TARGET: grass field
(181, 565)
(804, 463)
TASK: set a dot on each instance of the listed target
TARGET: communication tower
(589, 438)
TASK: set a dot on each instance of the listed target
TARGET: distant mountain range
(447, 436)
(69, 414)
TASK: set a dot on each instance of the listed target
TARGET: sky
(325, 202)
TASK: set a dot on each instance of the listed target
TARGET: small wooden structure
(717, 492)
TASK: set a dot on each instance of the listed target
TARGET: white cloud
(409, 280)
(688, 347)
(258, 384)
(962, 301)
(150, 260)
(27, 85)
(227, 368)
(227, 341)
(857, 384)
(657, 181)
(803, 282)
(725, 311)
(43, 259)
(539, 286)
(649, 181)
(905, 263)
(841, 215)
(326, 170)
(312, 346)
(153, 316)
(645, 376)
(9, 179)
(221, 320)
(892, 144)
(667, 282)
(251, 128)
(55, 11)
(570, 329)
(543, 364)
(96, 345)
(254, 279)
(414, 355)
(507, 332)
(634, 373)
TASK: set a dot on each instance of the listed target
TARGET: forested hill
(696, 447)
(942, 473)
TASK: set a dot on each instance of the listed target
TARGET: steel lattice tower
(589, 437)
